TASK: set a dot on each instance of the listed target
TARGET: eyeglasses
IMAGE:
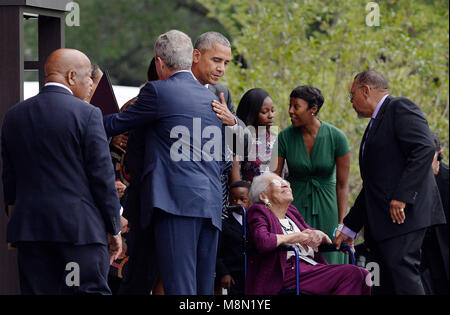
(350, 96)
(279, 183)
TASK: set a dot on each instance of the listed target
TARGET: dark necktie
(367, 134)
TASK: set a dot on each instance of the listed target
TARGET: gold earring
(267, 204)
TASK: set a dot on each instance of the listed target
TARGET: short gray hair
(372, 78)
(259, 185)
(175, 49)
(207, 40)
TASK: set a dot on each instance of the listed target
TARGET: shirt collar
(188, 71)
(377, 109)
(60, 85)
(238, 217)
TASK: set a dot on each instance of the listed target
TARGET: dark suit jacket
(441, 231)
(57, 171)
(230, 258)
(186, 187)
(396, 165)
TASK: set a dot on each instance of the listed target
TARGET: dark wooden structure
(51, 19)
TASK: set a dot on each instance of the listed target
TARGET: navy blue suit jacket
(57, 171)
(191, 186)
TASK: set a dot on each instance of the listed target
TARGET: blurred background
(280, 44)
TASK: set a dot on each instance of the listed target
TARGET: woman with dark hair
(256, 110)
(318, 158)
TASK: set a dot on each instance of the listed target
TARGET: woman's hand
(317, 238)
(304, 239)
(297, 237)
(300, 237)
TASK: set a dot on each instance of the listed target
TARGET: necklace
(288, 229)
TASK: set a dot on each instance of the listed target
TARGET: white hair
(259, 185)
(175, 49)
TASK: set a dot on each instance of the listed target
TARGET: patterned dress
(260, 157)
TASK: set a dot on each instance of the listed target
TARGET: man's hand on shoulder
(222, 111)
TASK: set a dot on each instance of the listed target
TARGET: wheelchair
(285, 247)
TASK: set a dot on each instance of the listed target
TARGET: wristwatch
(338, 228)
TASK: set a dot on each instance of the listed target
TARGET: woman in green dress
(318, 159)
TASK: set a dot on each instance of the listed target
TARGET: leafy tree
(119, 35)
(285, 43)
(326, 43)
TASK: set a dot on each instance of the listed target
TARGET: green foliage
(119, 35)
(285, 43)
(326, 43)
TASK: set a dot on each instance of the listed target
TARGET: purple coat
(265, 272)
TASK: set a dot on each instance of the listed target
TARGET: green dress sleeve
(342, 146)
(281, 142)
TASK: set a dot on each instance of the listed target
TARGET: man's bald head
(72, 68)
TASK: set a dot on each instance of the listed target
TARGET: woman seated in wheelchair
(273, 221)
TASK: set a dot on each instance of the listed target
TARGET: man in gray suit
(212, 53)
(211, 56)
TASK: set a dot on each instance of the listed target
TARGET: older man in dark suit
(58, 177)
(184, 159)
(399, 198)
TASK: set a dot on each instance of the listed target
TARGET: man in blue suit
(59, 181)
(184, 158)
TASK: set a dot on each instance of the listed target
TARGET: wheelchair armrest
(285, 247)
(324, 248)
(231, 209)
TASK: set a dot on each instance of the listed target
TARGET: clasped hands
(311, 238)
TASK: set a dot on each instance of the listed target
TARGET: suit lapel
(234, 224)
(360, 146)
(212, 88)
(375, 124)
(377, 121)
